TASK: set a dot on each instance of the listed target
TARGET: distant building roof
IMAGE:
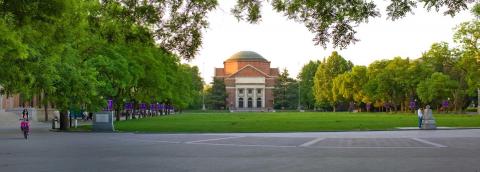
(246, 56)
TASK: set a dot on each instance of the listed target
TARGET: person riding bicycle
(25, 127)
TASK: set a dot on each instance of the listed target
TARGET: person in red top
(25, 127)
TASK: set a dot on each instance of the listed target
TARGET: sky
(288, 44)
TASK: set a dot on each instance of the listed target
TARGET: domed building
(249, 81)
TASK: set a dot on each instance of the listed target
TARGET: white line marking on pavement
(222, 144)
(206, 140)
(429, 143)
(311, 142)
(340, 147)
(159, 141)
(165, 141)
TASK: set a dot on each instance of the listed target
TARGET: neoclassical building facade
(249, 81)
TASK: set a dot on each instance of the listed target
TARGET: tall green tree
(436, 89)
(305, 78)
(285, 92)
(333, 66)
(217, 95)
(350, 85)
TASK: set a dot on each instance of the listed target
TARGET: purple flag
(143, 106)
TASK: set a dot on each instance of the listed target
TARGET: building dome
(246, 56)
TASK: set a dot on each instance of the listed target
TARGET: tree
(305, 78)
(439, 57)
(217, 95)
(350, 84)
(333, 66)
(335, 21)
(468, 35)
(436, 88)
(176, 25)
(285, 92)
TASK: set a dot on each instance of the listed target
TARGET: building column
(245, 97)
(236, 97)
(263, 99)
(254, 101)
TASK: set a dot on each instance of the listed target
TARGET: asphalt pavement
(417, 150)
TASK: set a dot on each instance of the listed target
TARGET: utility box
(103, 121)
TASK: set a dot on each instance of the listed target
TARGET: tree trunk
(45, 106)
(64, 120)
(117, 112)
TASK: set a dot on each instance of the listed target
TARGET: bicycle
(25, 127)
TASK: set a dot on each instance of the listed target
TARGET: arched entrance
(240, 102)
(250, 103)
(259, 102)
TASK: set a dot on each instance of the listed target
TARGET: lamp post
(203, 100)
(203, 91)
(299, 108)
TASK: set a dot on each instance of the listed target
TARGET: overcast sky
(288, 44)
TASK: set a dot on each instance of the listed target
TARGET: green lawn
(286, 122)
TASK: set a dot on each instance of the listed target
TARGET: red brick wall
(249, 72)
(268, 98)
(274, 72)
(270, 82)
(262, 66)
(230, 82)
(230, 67)
(219, 72)
(231, 97)
(233, 66)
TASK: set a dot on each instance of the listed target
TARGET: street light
(203, 91)
(203, 100)
(299, 96)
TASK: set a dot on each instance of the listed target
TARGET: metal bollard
(54, 122)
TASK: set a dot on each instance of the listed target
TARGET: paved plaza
(413, 150)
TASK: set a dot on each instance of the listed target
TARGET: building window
(250, 103)
(259, 102)
(240, 102)
(240, 91)
(259, 91)
(250, 91)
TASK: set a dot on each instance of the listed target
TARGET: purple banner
(412, 105)
(445, 103)
(143, 106)
(128, 106)
(110, 105)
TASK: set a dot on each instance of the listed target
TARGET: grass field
(286, 122)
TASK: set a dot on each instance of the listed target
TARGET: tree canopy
(334, 21)
(78, 54)
(441, 74)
